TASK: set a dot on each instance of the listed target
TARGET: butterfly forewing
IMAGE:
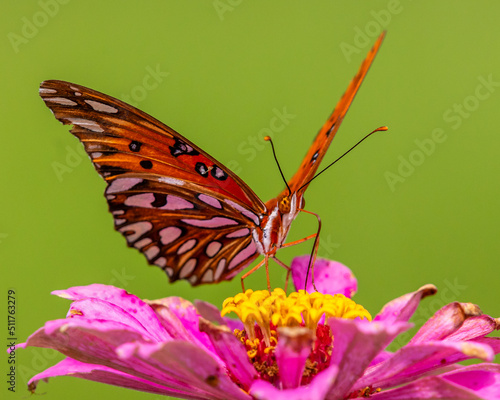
(322, 141)
(186, 212)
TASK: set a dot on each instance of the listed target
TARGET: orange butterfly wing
(322, 141)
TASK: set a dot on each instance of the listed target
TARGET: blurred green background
(415, 205)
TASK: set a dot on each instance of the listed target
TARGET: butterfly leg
(288, 270)
(246, 275)
(314, 251)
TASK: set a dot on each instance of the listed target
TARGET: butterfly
(185, 211)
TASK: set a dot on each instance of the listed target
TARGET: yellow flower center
(273, 310)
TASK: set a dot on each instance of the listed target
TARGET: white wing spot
(47, 90)
(61, 100)
(122, 184)
(86, 123)
(208, 276)
(142, 243)
(246, 212)
(170, 181)
(143, 200)
(187, 268)
(138, 228)
(215, 222)
(98, 106)
(95, 154)
(186, 246)
(239, 233)
(78, 94)
(213, 248)
(211, 201)
(243, 255)
(177, 203)
(193, 279)
(221, 266)
(152, 252)
(118, 212)
(169, 271)
(120, 221)
(170, 234)
(161, 262)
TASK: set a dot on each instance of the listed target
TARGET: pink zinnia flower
(314, 346)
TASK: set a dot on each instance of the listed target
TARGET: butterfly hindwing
(186, 212)
(199, 238)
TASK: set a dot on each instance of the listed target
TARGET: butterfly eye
(284, 205)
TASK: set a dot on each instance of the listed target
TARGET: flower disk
(269, 316)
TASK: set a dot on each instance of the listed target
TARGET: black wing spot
(218, 173)
(179, 148)
(160, 200)
(314, 157)
(202, 169)
(146, 164)
(135, 146)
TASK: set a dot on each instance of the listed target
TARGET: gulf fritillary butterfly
(185, 211)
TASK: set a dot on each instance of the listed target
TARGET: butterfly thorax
(282, 210)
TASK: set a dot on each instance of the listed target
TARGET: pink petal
(187, 364)
(445, 321)
(293, 349)
(316, 390)
(232, 352)
(475, 382)
(100, 309)
(492, 342)
(209, 312)
(475, 327)
(433, 388)
(330, 277)
(412, 361)
(356, 344)
(100, 373)
(181, 320)
(97, 342)
(382, 356)
(129, 303)
(402, 308)
(485, 384)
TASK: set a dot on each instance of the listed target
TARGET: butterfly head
(284, 205)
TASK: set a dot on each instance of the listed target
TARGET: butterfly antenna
(278, 164)
(382, 128)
